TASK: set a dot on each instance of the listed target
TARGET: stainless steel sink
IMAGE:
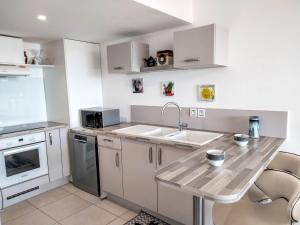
(170, 134)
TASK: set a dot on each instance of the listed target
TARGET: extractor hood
(13, 71)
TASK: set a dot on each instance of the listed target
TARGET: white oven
(22, 158)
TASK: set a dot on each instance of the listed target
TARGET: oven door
(23, 163)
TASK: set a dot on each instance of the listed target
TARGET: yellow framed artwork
(206, 93)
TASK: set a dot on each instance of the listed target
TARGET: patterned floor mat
(144, 218)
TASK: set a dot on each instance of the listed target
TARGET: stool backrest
(286, 161)
(279, 184)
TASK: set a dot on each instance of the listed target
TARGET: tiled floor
(66, 205)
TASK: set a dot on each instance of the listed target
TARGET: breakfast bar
(226, 184)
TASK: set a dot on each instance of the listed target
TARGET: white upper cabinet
(126, 57)
(200, 47)
(11, 50)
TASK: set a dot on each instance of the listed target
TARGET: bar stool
(284, 191)
(284, 161)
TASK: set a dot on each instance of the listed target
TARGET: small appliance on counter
(99, 117)
(254, 127)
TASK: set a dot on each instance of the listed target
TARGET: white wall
(22, 99)
(263, 71)
(177, 8)
(83, 77)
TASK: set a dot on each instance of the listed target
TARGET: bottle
(254, 127)
(25, 57)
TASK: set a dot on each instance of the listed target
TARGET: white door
(139, 163)
(194, 47)
(119, 57)
(173, 203)
(111, 171)
(54, 154)
(11, 50)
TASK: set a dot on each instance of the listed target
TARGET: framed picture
(137, 85)
(206, 93)
(167, 88)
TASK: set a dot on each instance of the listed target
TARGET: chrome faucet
(181, 125)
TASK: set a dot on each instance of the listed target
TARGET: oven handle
(18, 150)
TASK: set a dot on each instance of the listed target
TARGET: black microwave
(99, 117)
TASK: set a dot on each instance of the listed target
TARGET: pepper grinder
(254, 127)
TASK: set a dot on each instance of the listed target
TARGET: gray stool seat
(284, 191)
(246, 212)
(284, 161)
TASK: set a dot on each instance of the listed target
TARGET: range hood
(13, 71)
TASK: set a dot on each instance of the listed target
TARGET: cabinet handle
(108, 140)
(50, 139)
(150, 155)
(191, 60)
(118, 68)
(117, 160)
(159, 157)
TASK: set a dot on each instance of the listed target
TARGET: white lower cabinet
(173, 203)
(65, 156)
(139, 164)
(57, 153)
(111, 170)
(54, 154)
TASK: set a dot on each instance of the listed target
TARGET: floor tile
(34, 218)
(70, 188)
(48, 197)
(128, 215)
(65, 207)
(15, 211)
(111, 207)
(117, 221)
(90, 216)
(87, 196)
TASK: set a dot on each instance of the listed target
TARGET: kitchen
(251, 79)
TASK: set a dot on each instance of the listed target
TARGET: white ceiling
(88, 20)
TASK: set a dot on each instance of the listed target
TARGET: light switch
(193, 112)
(201, 112)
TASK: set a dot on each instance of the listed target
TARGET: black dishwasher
(84, 162)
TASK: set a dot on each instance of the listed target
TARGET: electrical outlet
(193, 112)
(201, 112)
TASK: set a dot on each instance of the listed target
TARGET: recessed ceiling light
(42, 17)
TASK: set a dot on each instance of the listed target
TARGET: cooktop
(19, 128)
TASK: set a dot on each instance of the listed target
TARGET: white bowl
(216, 163)
(215, 157)
(242, 143)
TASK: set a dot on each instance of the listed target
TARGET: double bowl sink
(170, 134)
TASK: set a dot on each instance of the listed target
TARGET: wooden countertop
(228, 183)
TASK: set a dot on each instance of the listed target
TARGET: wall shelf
(38, 66)
(156, 69)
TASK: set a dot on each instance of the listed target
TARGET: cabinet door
(194, 47)
(171, 202)
(111, 171)
(119, 58)
(139, 163)
(65, 156)
(54, 154)
(11, 50)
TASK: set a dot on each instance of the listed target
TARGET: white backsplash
(22, 99)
